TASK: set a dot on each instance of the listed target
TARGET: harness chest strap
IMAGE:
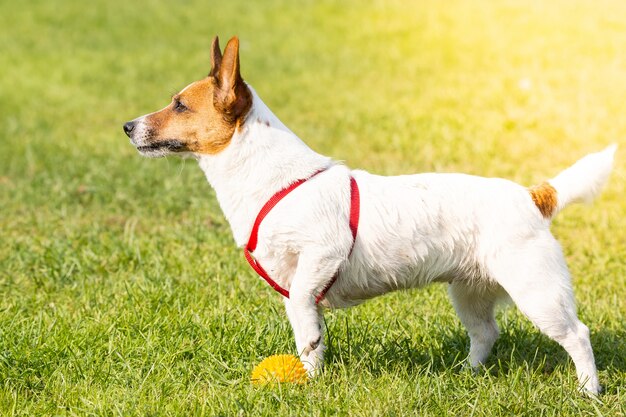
(355, 205)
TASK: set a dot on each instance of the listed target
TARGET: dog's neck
(264, 156)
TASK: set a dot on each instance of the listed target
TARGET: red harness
(252, 241)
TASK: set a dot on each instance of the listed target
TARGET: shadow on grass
(377, 351)
(444, 350)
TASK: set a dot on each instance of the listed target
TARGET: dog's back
(417, 229)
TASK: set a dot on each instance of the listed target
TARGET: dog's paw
(593, 389)
(473, 368)
(311, 368)
(313, 362)
(311, 342)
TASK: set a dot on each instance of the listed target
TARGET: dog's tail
(582, 182)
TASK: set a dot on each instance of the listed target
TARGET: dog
(487, 238)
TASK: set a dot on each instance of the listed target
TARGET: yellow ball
(279, 368)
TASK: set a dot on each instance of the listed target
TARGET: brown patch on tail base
(544, 197)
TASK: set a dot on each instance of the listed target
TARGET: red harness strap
(252, 241)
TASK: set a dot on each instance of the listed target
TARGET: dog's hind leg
(475, 308)
(535, 276)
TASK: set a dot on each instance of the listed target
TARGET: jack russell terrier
(324, 235)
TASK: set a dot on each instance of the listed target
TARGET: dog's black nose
(128, 128)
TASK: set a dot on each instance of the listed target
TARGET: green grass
(121, 291)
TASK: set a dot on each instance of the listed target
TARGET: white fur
(583, 181)
(484, 236)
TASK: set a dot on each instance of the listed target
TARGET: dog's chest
(280, 264)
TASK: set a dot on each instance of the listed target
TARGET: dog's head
(203, 117)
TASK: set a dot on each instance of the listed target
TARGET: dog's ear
(216, 56)
(231, 96)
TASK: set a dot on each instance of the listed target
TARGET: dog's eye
(179, 107)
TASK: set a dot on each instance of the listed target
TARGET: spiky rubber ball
(279, 368)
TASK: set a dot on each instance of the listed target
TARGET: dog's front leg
(294, 325)
(311, 358)
(306, 317)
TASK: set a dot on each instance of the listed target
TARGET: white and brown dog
(488, 238)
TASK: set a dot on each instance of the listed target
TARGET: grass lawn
(121, 290)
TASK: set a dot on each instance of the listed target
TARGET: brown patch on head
(544, 197)
(203, 117)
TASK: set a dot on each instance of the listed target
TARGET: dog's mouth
(162, 147)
